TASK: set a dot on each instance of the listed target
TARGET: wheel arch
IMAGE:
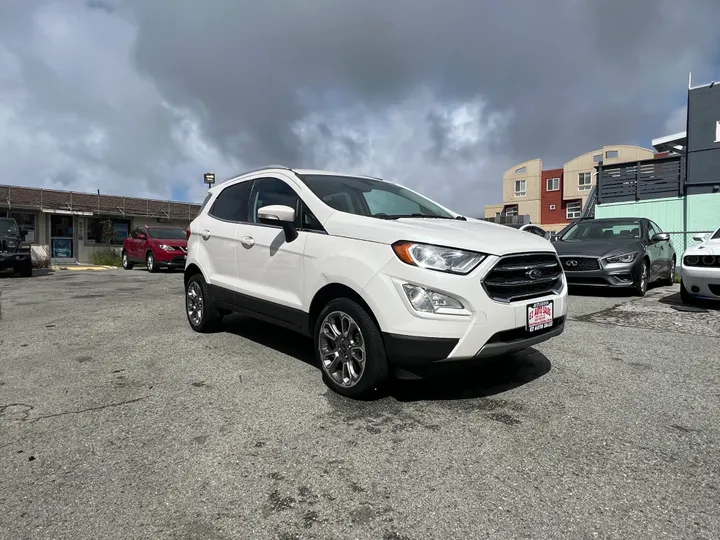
(333, 291)
(191, 270)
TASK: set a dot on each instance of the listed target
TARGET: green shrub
(107, 257)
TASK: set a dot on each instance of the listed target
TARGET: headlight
(624, 258)
(166, 247)
(11, 244)
(443, 259)
(708, 260)
(692, 260)
(430, 301)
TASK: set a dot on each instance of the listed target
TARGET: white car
(383, 279)
(701, 269)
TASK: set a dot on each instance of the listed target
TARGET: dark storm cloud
(577, 74)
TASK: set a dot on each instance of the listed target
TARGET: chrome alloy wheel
(644, 278)
(125, 260)
(150, 262)
(342, 349)
(194, 303)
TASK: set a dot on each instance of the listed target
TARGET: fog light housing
(427, 300)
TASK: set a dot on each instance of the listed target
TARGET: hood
(473, 234)
(597, 248)
(710, 247)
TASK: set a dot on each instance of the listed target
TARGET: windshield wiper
(399, 216)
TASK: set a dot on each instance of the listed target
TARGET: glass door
(61, 236)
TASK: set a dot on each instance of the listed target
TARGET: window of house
(573, 210)
(553, 184)
(584, 181)
(497, 214)
(26, 224)
(521, 170)
(597, 158)
(611, 154)
(552, 207)
(120, 228)
(511, 211)
(520, 188)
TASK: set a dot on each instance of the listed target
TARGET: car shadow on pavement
(697, 305)
(607, 292)
(489, 378)
(37, 272)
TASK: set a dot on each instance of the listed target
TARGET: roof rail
(258, 169)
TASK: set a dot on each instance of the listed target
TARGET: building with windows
(68, 225)
(553, 197)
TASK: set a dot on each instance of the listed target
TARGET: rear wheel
(350, 349)
(641, 283)
(150, 262)
(126, 264)
(199, 306)
(670, 280)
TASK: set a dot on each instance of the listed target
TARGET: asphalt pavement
(118, 421)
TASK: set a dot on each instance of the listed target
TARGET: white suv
(383, 279)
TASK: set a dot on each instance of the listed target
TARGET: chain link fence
(685, 240)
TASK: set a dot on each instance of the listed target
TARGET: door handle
(247, 241)
(205, 234)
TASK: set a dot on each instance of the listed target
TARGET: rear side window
(232, 202)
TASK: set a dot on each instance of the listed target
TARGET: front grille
(703, 261)
(580, 264)
(518, 334)
(715, 289)
(523, 276)
(3, 246)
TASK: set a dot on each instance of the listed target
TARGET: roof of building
(89, 204)
(671, 143)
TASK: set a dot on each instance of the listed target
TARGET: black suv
(14, 253)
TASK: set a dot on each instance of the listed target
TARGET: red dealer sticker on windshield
(539, 316)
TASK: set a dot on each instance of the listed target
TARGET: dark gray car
(617, 252)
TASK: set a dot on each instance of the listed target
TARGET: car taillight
(187, 233)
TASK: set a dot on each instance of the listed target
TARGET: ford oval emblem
(535, 273)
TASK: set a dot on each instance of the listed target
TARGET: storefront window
(121, 228)
(26, 224)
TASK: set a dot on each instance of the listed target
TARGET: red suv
(156, 247)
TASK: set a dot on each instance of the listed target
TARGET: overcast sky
(140, 97)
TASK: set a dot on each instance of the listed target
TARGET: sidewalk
(82, 267)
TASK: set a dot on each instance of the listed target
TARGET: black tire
(126, 264)
(670, 280)
(684, 295)
(640, 286)
(210, 319)
(26, 270)
(151, 262)
(375, 372)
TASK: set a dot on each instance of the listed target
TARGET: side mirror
(699, 237)
(279, 214)
(660, 237)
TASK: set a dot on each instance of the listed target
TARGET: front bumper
(606, 275)
(11, 260)
(705, 281)
(490, 328)
(170, 259)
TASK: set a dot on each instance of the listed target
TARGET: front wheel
(641, 284)
(350, 349)
(150, 262)
(126, 264)
(199, 306)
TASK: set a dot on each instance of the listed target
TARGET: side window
(133, 234)
(385, 202)
(268, 191)
(656, 227)
(651, 229)
(232, 202)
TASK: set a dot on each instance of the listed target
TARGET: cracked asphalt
(117, 421)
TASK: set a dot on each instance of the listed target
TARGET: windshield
(167, 233)
(373, 198)
(603, 230)
(8, 227)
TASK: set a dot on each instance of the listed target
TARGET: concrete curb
(83, 267)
